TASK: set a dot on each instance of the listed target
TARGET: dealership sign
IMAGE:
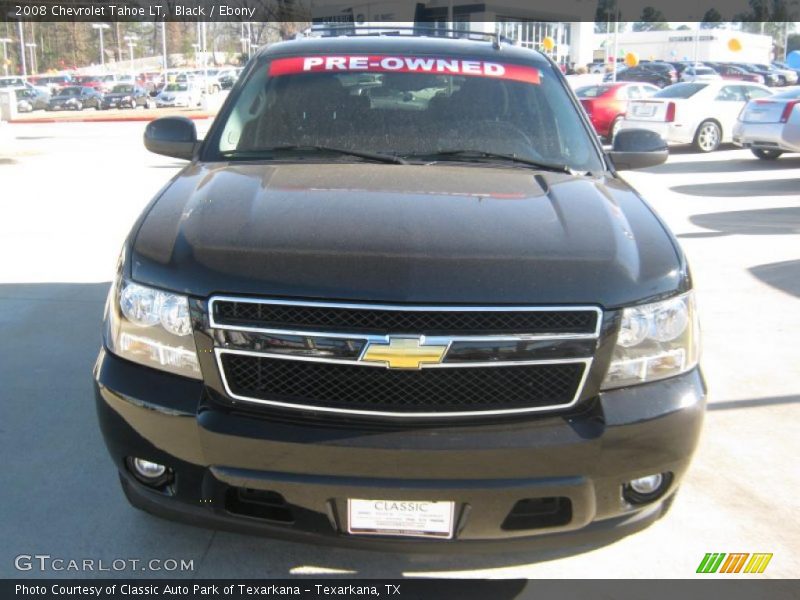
(402, 64)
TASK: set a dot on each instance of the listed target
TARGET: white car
(770, 126)
(699, 113)
(179, 94)
(700, 74)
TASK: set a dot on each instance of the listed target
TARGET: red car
(606, 103)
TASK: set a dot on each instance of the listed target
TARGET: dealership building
(700, 45)
(526, 25)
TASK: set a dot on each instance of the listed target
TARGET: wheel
(766, 154)
(614, 128)
(708, 137)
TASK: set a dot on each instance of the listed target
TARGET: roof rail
(420, 30)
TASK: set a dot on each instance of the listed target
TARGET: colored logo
(403, 353)
(737, 562)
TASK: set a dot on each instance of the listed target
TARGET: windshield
(409, 107)
(704, 71)
(680, 90)
(70, 91)
(176, 87)
(122, 89)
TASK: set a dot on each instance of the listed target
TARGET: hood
(397, 233)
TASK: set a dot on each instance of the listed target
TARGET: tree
(711, 20)
(607, 12)
(683, 28)
(652, 19)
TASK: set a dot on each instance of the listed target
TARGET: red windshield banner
(402, 64)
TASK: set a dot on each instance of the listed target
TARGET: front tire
(708, 137)
(766, 154)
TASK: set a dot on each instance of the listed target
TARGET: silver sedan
(770, 126)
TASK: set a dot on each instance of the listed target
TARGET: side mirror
(171, 136)
(638, 149)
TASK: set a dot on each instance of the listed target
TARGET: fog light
(643, 485)
(646, 489)
(148, 472)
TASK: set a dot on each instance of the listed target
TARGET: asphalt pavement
(69, 193)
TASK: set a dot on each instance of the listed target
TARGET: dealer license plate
(413, 518)
(644, 110)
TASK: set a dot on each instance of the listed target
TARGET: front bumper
(316, 465)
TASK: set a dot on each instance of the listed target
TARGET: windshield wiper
(482, 154)
(385, 158)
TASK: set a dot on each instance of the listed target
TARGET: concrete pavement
(70, 193)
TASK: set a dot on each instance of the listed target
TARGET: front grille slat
(421, 322)
(376, 389)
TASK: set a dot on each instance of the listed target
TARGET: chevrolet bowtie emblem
(403, 353)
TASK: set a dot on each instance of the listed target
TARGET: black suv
(400, 297)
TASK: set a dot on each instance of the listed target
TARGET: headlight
(151, 327)
(655, 341)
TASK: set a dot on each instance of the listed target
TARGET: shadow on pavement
(763, 221)
(725, 166)
(742, 189)
(784, 276)
(753, 403)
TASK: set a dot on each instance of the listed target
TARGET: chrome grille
(295, 355)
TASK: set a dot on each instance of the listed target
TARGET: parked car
(29, 99)
(701, 113)
(606, 103)
(75, 98)
(734, 73)
(127, 95)
(786, 76)
(92, 81)
(770, 126)
(355, 321)
(694, 73)
(227, 78)
(13, 82)
(54, 83)
(783, 65)
(643, 74)
(179, 94)
(665, 68)
(771, 78)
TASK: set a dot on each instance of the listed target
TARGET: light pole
(131, 39)
(32, 47)
(100, 28)
(5, 41)
(21, 45)
(164, 44)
